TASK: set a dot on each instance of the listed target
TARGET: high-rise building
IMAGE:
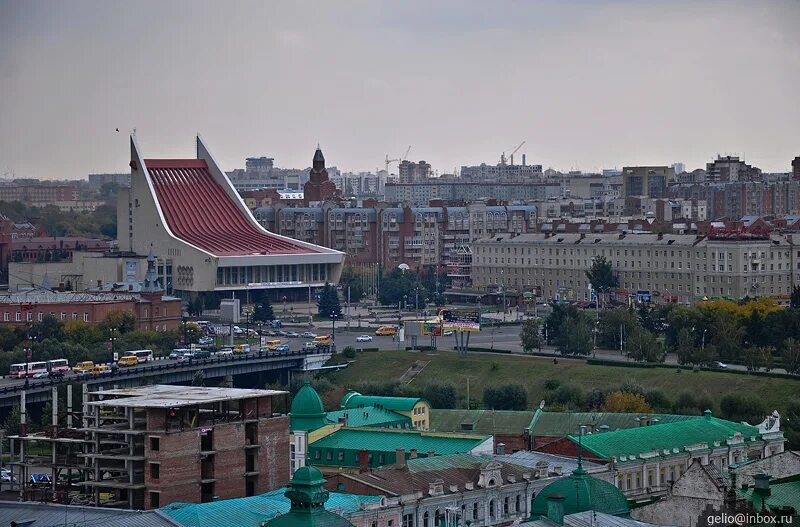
(410, 172)
(796, 168)
(731, 168)
(502, 172)
(646, 181)
(679, 168)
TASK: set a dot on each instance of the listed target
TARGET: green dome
(307, 412)
(582, 492)
(308, 476)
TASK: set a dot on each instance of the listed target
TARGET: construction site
(139, 448)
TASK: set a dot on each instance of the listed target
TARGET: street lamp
(333, 333)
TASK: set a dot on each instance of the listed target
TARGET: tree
(570, 396)
(791, 355)
(353, 280)
(505, 397)
(328, 305)
(263, 311)
(441, 395)
(49, 327)
(753, 358)
(611, 321)
(684, 346)
(657, 400)
(121, 321)
(794, 300)
(556, 318)
(575, 337)
(83, 333)
(11, 424)
(742, 408)
(601, 276)
(531, 335)
(395, 285)
(642, 346)
(623, 402)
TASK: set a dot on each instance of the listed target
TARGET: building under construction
(145, 447)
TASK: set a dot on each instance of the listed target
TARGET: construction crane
(511, 157)
(399, 160)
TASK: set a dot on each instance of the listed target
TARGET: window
(155, 470)
(154, 500)
(408, 520)
(39, 316)
(505, 504)
(6, 316)
(63, 315)
(475, 511)
(155, 444)
(17, 317)
(86, 317)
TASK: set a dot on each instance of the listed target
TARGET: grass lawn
(484, 369)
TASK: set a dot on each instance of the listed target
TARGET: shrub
(627, 403)
(505, 397)
(657, 400)
(551, 384)
(349, 352)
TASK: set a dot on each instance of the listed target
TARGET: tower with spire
(319, 187)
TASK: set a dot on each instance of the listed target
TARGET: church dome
(307, 412)
(580, 493)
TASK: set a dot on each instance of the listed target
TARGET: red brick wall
(351, 486)
(273, 456)
(179, 457)
(512, 443)
(561, 446)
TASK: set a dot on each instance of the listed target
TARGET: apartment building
(651, 181)
(418, 236)
(672, 267)
(39, 195)
(731, 168)
(459, 189)
(154, 445)
(410, 172)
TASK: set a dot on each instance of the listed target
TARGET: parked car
(363, 338)
(204, 341)
(283, 348)
(308, 335)
(282, 333)
(293, 334)
(6, 476)
(718, 364)
(309, 346)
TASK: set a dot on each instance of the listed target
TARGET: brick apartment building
(421, 237)
(163, 444)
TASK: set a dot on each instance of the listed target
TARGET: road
(499, 337)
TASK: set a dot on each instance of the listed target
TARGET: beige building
(679, 267)
(86, 270)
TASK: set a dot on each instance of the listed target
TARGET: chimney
(400, 458)
(523, 160)
(555, 509)
(413, 454)
(363, 461)
(501, 448)
(343, 420)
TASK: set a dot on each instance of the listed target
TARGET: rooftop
(368, 416)
(456, 469)
(562, 424)
(481, 421)
(250, 512)
(784, 492)
(665, 438)
(388, 440)
(48, 514)
(43, 296)
(169, 396)
(538, 460)
(399, 404)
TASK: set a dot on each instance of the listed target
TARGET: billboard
(461, 319)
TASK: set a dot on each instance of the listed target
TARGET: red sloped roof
(199, 212)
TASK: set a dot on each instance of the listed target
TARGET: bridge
(170, 372)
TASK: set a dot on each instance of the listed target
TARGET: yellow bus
(272, 344)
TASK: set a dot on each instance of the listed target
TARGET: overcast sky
(588, 84)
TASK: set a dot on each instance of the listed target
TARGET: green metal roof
(564, 423)
(581, 492)
(387, 440)
(341, 448)
(679, 434)
(480, 421)
(307, 412)
(250, 512)
(784, 492)
(370, 416)
(399, 404)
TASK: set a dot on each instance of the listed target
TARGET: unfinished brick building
(150, 446)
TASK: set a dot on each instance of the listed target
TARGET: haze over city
(587, 84)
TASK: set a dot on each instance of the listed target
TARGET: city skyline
(588, 85)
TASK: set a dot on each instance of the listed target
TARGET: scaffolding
(459, 266)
